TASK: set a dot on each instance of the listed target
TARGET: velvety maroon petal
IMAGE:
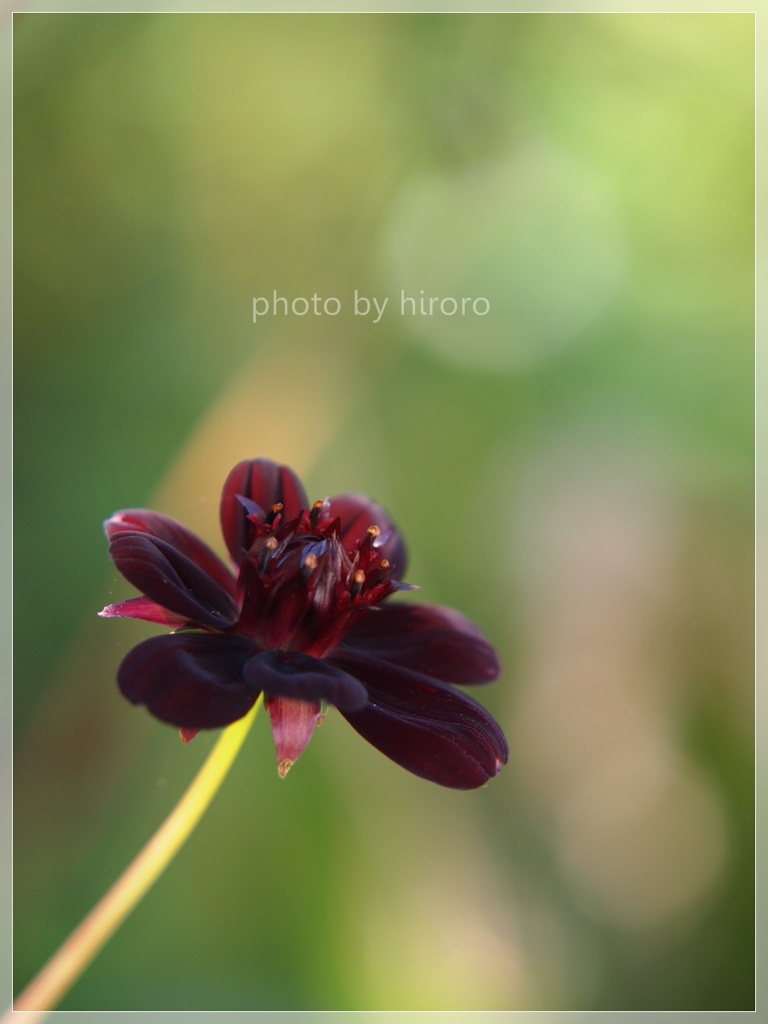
(266, 483)
(438, 642)
(139, 520)
(191, 680)
(169, 578)
(301, 677)
(144, 608)
(357, 513)
(423, 725)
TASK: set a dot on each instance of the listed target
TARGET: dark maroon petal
(429, 728)
(301, 677)
(171, 579)
(139, 520)
(265, 483)
(191, 680)
(144, 608)
(357, 513)
(438, 642)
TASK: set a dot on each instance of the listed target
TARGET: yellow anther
(314, 515)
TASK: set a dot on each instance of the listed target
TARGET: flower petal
(301, 677)
(171, 579)
(146, 609)
(357, 513)
(293, 724)
(139, 520)
(423, 725)
(266, 483)
(438, 642)
(191, 680)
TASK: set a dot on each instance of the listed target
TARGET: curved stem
(68, 963)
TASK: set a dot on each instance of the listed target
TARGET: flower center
(301, 587)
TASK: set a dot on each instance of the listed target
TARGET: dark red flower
(302, 621)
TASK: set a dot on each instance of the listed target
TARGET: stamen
(384, 564)
(314, 515)
(357, 586)
(273, 513)
(308, 566)
(270, 546)
(366, 546)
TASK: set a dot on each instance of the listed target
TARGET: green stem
(66, 965)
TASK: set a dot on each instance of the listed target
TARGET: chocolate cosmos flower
(302, 621)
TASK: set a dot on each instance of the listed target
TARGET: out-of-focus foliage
(572, 469)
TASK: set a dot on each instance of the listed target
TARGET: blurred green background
(574, 470)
